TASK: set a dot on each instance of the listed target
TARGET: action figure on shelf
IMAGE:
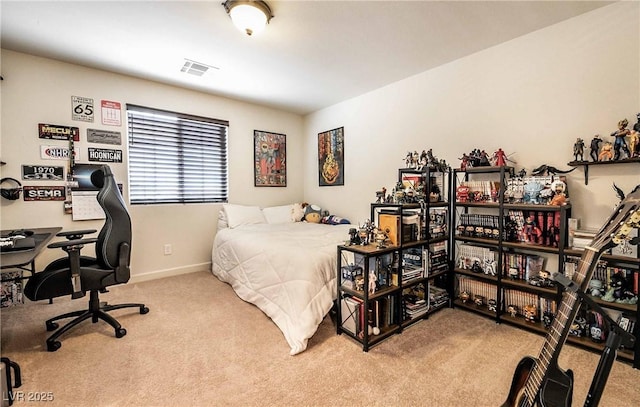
(634, 143)
(500, 158)
(531, 232)
(636, 126)
(620, 143)
(530, 313)
(380, 195)
(606, 153)
(578, 149)
(595, 147)
(465, 161)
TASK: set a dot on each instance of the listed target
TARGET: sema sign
(38, 193)
(105, 155)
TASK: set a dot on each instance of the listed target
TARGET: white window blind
(176, 158)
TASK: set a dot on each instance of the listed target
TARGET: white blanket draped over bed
(288, 270)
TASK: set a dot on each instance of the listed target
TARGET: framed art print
(331, 157)
(269, 159)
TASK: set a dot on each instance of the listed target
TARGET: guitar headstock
(618, 227)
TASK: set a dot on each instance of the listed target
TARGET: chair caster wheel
(120, 332)
(144, 310)
(53, 346)
(52, 326)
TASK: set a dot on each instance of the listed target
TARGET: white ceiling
(313, 54)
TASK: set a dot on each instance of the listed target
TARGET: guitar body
(540, 382)
(556, 389)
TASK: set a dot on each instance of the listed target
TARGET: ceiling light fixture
(250, 16)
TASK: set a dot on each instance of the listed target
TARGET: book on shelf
(350, 314)
(438, 296)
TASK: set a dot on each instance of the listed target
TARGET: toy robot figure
(578, 149)
(620, 143)
(595, 147)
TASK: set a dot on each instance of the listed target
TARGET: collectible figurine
(595, 288)
(478, 300)
(595, 147)
(531, 232)
(547, 319)
(491, 304)
(530, 313)
(500, 158)
(606, 153)
(355, 238)
(620, 143)
(634, 143)
(465, 162)
(380, 195)
(578, 149)
(464, 297)
(513, 310)
(636, 126)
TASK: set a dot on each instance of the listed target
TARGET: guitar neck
(561, 325)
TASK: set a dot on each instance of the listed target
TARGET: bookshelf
(383, 289)
(498, 265)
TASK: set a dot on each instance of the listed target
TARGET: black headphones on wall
(11, 193)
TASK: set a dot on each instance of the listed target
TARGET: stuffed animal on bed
(312, 213)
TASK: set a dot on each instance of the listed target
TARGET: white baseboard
(153, 275)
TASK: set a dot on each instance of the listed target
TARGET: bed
(285, 267)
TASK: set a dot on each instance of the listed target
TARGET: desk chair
(75, 274)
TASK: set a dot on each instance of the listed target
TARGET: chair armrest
(68, 243)
(73, 247)
(76, 234)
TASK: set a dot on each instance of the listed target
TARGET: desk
(25, 260)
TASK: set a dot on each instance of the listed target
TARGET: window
(176, 158)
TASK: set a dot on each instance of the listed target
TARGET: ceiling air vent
(195, 68)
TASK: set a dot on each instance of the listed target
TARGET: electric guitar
(540, 381)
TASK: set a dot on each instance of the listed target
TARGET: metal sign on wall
(42, 172)
(82, 109)
(105, 155)
(44, 193)
(55, 132)
(104, 136)
(57, 153)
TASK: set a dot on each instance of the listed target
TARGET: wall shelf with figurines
(605, 152)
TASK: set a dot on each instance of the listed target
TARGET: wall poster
(331, 157)
(270, 159)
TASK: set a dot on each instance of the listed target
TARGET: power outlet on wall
(167, 249)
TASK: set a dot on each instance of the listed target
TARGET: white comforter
(288, 270)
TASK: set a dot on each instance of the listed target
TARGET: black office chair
(75, 274)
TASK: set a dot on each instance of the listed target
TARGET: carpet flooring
(200, 345)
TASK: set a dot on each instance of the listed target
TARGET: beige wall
(532, 97)
(37, 90)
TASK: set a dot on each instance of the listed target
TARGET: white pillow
(278, 214)
(238, 215)
(222, 220)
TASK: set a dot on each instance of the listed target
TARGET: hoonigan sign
(105, 155)
(55, 132)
